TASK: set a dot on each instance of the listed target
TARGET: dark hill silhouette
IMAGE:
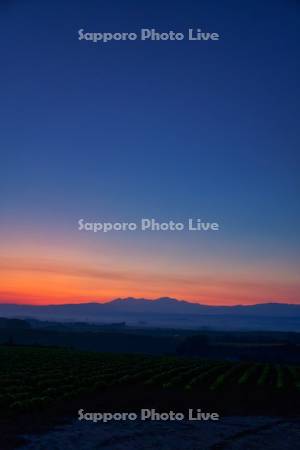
(163, 305)
(166, 312)
(172, 305)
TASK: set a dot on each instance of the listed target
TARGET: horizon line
(267, 302)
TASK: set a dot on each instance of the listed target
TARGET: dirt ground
(229, 433)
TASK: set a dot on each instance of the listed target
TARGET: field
(34, 379)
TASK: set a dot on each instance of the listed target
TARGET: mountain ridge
(165, 312)
(160, 305)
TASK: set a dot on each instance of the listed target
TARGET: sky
(169, 130)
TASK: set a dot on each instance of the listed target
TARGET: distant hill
(174, 306)
(166, 312)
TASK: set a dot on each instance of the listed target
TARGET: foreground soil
(229, 433)
(242, 424)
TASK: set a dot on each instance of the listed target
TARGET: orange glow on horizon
(43, 286)
(67, 274)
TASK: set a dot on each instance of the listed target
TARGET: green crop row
(33, 378)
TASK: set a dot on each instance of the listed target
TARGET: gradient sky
(169, 130)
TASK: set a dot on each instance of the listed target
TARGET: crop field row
(32, 378)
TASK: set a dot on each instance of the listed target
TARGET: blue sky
(157, 129)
